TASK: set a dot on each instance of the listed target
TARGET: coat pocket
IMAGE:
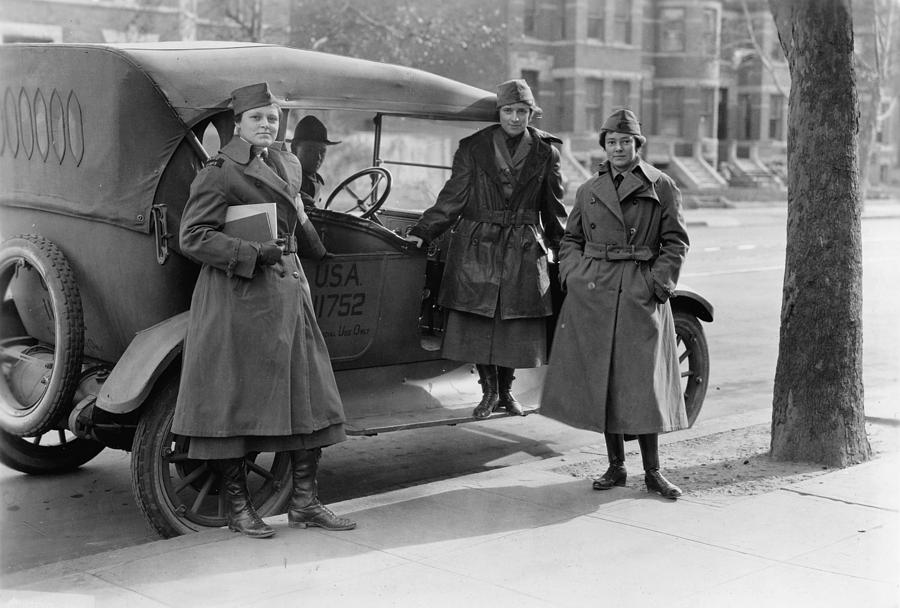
(648, 281)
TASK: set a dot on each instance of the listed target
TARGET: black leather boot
(504, 384)
(488, 380)
(305, 509)
(615, 475)
(652, 477)
(241, 516)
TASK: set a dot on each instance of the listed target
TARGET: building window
(593, 105)
(530, 18)
(776, 117)
(622, 22)
(560, 114)
(563, 22)
(543, 19)
(707, 112)
(621, 94)
(596, 20)
(532, 77)
(748, 117)
(671, 111)
(671, 30)
(710, 32)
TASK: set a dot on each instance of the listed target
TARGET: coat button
(591, 285)
(295, 274)
(632, 230)
(593, 225)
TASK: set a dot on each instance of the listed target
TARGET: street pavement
(527, 535)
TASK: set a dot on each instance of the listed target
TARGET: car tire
(178, 495)
(30, 408)
(693, 355)
(63, 452)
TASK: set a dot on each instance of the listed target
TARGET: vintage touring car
(99, 146)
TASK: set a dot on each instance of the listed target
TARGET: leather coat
(498, 247)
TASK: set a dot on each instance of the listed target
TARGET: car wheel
(693, 358)
(179, 495)
(55, 451)
(41, 335)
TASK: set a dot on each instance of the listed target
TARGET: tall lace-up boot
(615, 475)
(305, 509)
(487, 375)
(505, 376)
(652, 477)
(241, 516)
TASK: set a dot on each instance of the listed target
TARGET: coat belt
(509, 217)
(616, 253)
(290, 243)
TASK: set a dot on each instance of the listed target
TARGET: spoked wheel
(693, 357)
(179, 495)
(56, 451)
(372, 179)
(41, 336)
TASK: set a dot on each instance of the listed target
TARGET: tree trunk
(818, 412)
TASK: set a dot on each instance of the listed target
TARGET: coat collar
(483, 154)
(240, 151)
(642, 177)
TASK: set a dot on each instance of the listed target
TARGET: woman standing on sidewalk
(256, 375)
(614, 366)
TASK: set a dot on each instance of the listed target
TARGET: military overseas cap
(515, 91)
(622, 121)
(311, 128)
(251, 96)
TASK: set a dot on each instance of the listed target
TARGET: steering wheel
(376, 175)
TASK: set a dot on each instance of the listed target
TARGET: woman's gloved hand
(270, 253)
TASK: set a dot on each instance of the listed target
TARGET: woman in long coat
(614, 367)
(256, 375)
(503, 202)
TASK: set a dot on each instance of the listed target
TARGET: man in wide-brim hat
(310, 144)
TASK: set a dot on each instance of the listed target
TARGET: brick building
(713, 102)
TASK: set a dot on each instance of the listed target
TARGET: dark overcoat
(497, 250)
(255, 361)
(614, 364)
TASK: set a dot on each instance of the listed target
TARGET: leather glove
(269, 253)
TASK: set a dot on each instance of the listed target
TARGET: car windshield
(417, 151)
(419, 154)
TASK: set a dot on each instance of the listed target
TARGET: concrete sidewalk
(524, 536)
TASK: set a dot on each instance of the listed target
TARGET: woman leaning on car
(503, 202)
(256, 375)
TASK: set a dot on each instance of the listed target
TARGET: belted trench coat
(497, 250)
(614, 364)
(255, 362)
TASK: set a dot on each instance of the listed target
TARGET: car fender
(145, 359)
(692, 302)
